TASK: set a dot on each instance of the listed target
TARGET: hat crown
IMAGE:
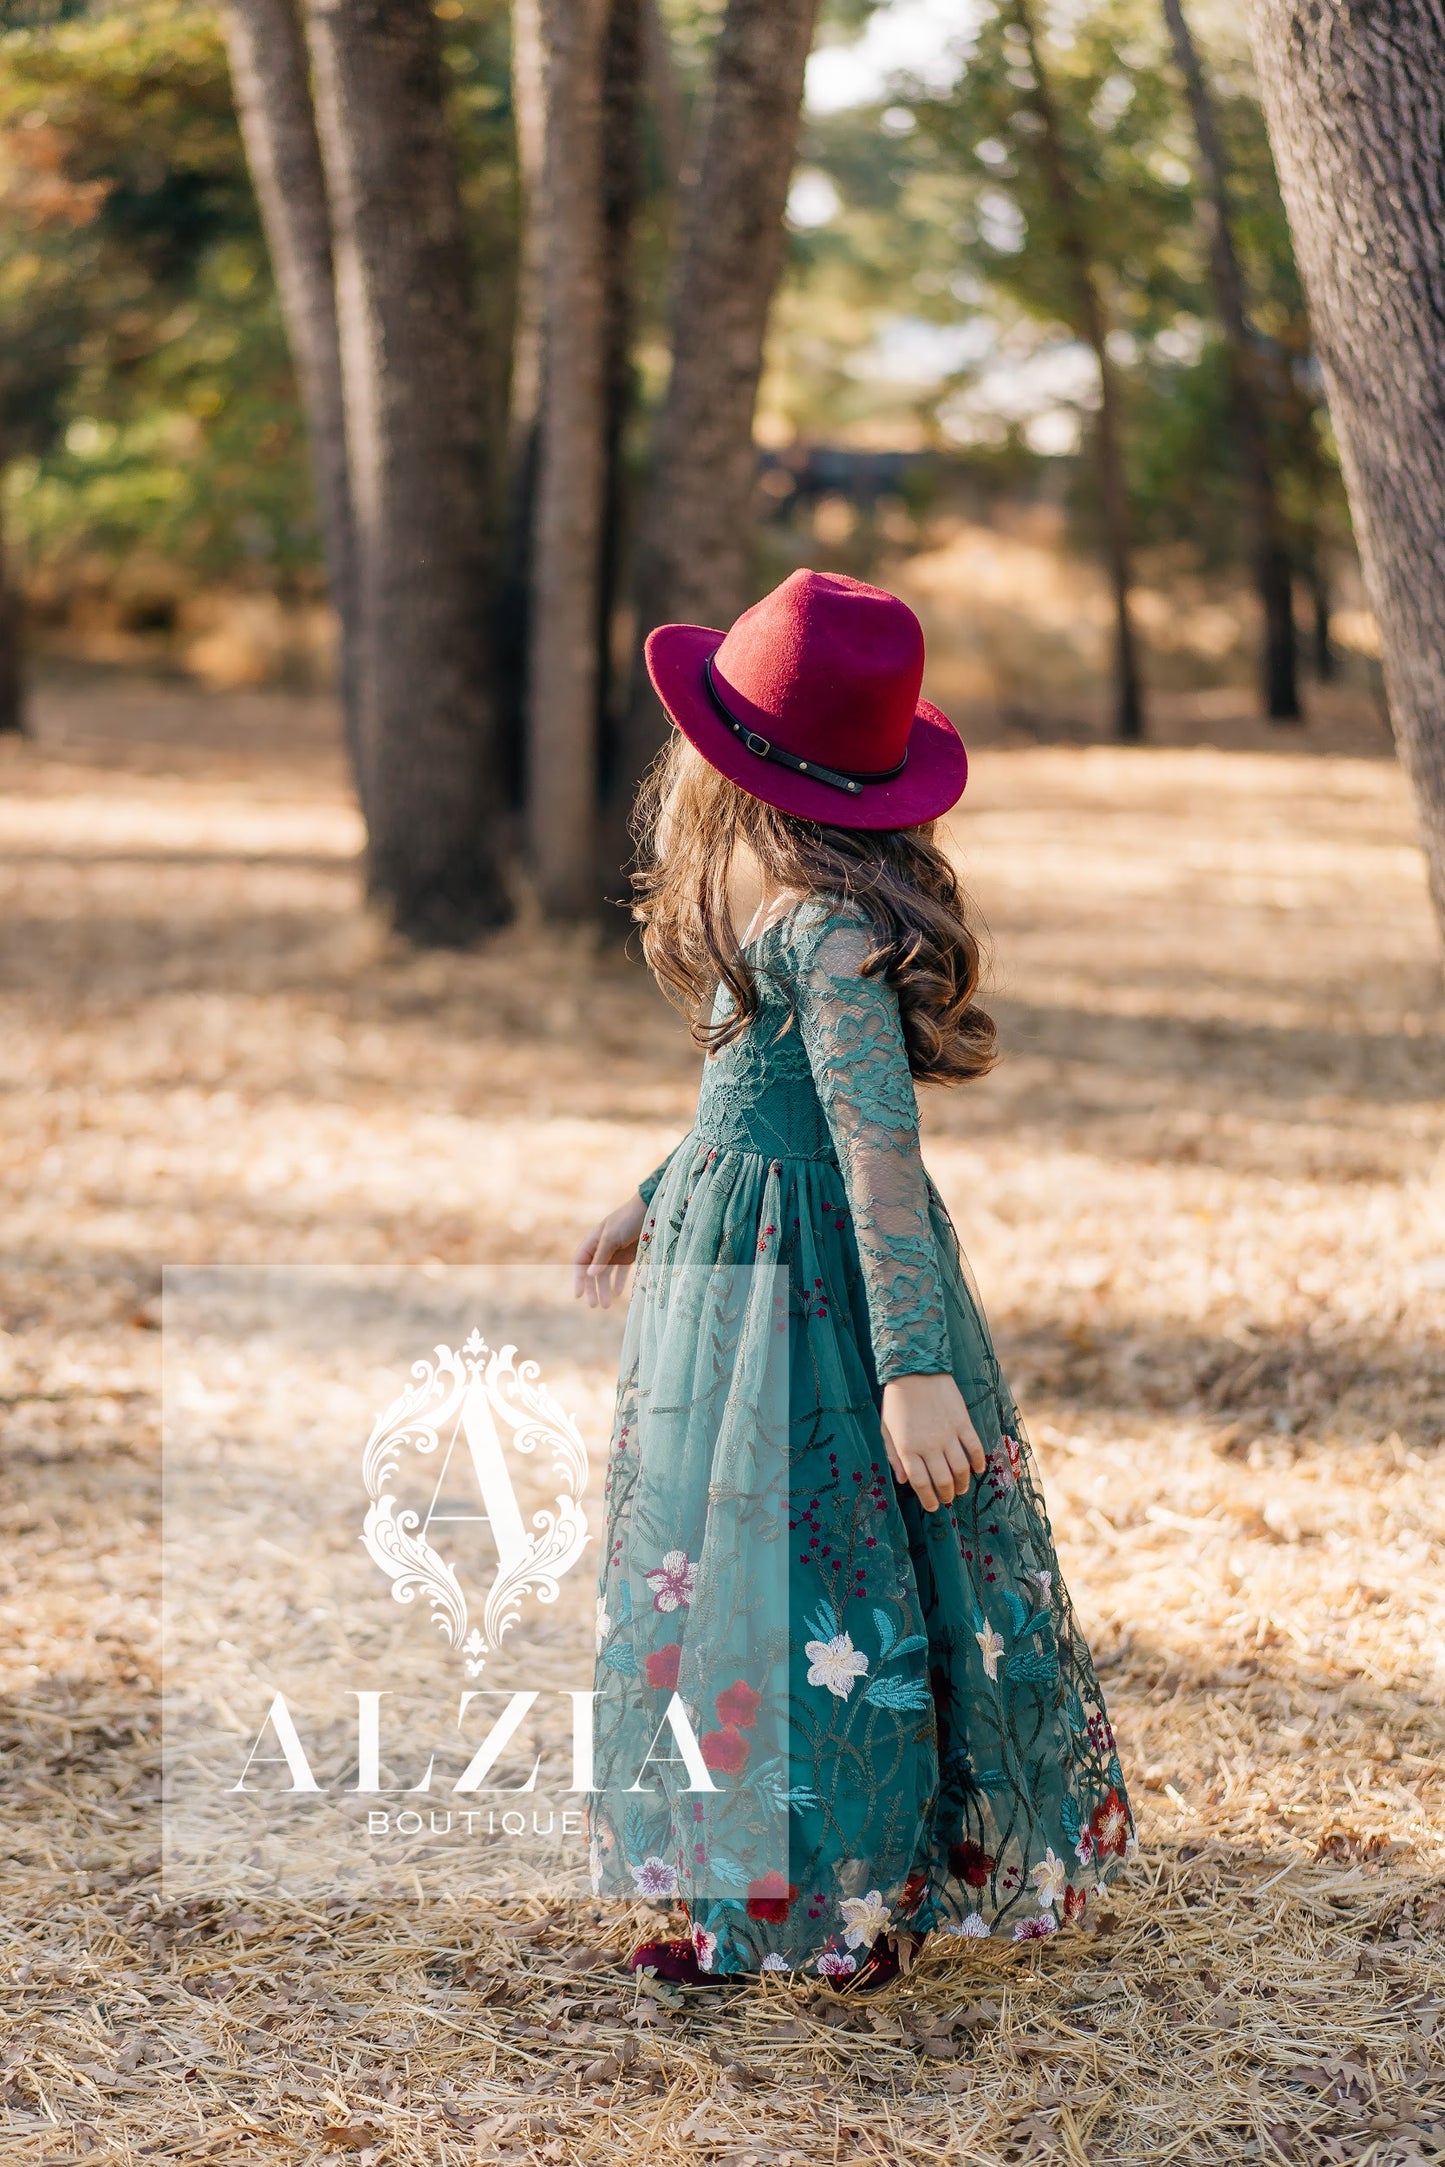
(828, 667)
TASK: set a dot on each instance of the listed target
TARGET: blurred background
(975, 247)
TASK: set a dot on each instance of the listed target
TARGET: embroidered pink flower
(833, 1964)
(1109, 1822)
(726, 1750)
(1036, 1929)
(662, 1666)
(771, 1898)
(654, 1877)
(1000, 1466)
(705, 1945)
(739, 1705)
(971, 1863)
(673, 1581)
(973, 1928)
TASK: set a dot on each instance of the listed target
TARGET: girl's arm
(851, 1030)
(599, 1268)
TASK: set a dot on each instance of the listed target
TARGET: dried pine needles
(1204, 1198)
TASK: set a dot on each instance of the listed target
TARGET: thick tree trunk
(413, 423)
(1355, 99)
(1073, 240)
(271, 77)
(692, 556)
(12, 643)
(1274, 577)
(514, 583)
(623, 68)
(562, 665)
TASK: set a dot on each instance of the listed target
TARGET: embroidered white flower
(1050, 1877)
(773, 1962)
(864, 1918)
(973, 1928)
(1045, 1581)
(835, 1663)
(604, 1623)
(654, 1877)
(673, 1581)
(991, 1644)
(705, 1946)
(833, 1964)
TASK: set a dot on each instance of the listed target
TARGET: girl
(946, 1760)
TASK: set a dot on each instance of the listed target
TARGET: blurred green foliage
(146, 394)
(942, 248)
(146, 398)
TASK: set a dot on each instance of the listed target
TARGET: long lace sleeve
(649, 1184)
(851, 1030)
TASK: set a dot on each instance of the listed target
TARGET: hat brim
(932, 779)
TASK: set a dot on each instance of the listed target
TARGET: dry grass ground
(1205, 1196)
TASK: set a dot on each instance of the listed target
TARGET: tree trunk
(271, 77)
(514, 584)
(692, 556)
(623, 68)
(409, 348)
(1355, 100)
(1073, 241)
(562, 666)
(1322, 647)
(12, 643)
(1274, 577)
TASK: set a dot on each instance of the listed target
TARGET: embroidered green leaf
(898, 1693)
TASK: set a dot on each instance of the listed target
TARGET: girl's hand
(599, 1269)
(930, 1436)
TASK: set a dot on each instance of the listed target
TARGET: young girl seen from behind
(885, 1678)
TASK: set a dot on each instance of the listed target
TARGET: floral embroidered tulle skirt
(880, 1717)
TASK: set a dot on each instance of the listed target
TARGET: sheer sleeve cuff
(647, 1187)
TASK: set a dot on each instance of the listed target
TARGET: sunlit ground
(1204, 1195)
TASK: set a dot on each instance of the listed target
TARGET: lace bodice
(822, 1073)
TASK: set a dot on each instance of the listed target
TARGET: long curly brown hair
(690, 825)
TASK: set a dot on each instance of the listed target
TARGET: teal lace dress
(897, 1707)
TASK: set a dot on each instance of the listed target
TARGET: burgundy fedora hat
(811, 704)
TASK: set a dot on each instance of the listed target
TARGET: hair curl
(689, 824)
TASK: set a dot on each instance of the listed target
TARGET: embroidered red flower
(971, 1863)
(1074, 1902)
(912, 1891)
(726, 1750)
(1110, 1824)
(738, 1706)
(662, 1667)
(771, 1899)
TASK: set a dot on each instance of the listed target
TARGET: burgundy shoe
(674, 1960)
(879, 1968)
